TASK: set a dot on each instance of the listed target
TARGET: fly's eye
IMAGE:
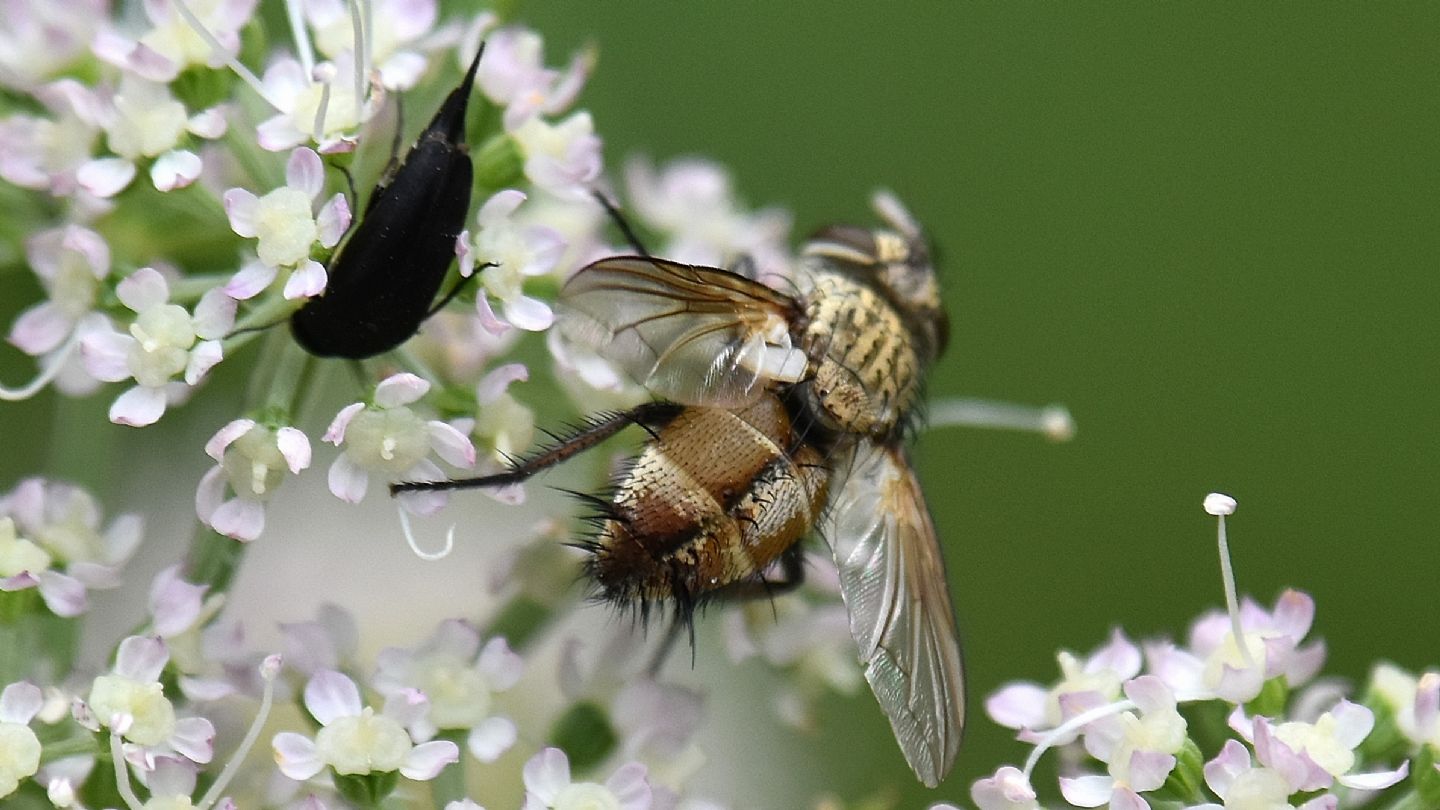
(845, 243)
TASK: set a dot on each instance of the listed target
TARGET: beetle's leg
(597, 429)
(458, 288)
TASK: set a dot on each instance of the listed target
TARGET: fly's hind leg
(650, 416)
(792, 576)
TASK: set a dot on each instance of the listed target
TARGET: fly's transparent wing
(893, 580)
(694, 335)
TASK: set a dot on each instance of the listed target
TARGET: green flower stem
(449, 785)
(213, 560)
(72, 746)
(289, 367)
(1410, 801)
(188, 290)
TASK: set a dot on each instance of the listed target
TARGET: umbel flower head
(1243, 666)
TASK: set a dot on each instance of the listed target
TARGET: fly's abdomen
(711, 502)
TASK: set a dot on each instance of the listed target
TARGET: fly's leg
(649, 416)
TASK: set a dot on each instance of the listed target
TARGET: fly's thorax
(711, 502)
(867, 367)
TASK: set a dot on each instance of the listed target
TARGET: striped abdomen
(711, 502)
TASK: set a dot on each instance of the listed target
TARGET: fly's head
(895, 261)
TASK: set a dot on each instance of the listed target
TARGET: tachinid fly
(778, 416)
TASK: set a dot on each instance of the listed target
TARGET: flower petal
(546, 774)
(400, 389)
(304, 172)
(630, 786)
(491, 737)
(530, 314)
(225, 436)
(294, 446)
(141, 658)
(348, 481)
(194, 737)
(308, 279)
(177, 168)
(330, 695)
(64, 595)
(20, 702)
(239, 518)
(1018, 705)
(250, 280)
(450, 444)
(296, 755)
(336, 432)
(427, 760)
(1087, 791)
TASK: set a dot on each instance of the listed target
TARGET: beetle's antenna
(428, 556)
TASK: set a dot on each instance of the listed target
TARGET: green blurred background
(1212, 230)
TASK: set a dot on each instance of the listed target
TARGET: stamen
(361, 19)
(269, 669)
(427, 556)
(122, 773)
(48, 373)
(295, 16)
(324, 74)
(230, 61)
(1071, 726)
(1052, 421)
(1220, 505)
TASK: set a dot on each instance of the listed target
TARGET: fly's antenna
(894, 213)
(428, 556)
(622, 223)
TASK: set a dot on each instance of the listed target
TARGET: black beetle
(384, 281)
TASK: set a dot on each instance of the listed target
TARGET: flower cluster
(1136, 716)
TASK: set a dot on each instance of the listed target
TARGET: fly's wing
(694, 335)
(893, 581)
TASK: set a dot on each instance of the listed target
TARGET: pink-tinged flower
(564, 158)
(354, 739)
(71, 262)
(131, 702)
(317, 107)
(1233, 778)
(459, 678)
(1008, 789)
(164, 340)
(504, 425)
(172, 44)
(251, 462)
(548, 785)
(514, 252)
(1313, 756)
(1414, 702)
(19, 747)
(45, 153)
(171, 783)
(513, 75)
(1085, 684)
(39, 38)
(399, 28)
(1215, 666)
(143, 121)
(287, 229)
(51, 538)
(693, 202)
(389, 438)
(329, 641)
(1138, 746)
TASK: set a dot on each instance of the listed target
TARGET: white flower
(329, 641)
(1085, 684)
(252, 460)
(564, 158)
(693, 202)
(131, 702)
(353, 739)
(1138, 748)
(19, 747)
(71, 262)
(61, 528)
(389, 438)
(1414, 702)
(171, 44)
(514, 252)
(513, 75)
(1008, 789)
(548, 785)
(506, 426)
(143, 120)
(1244, 787)
(47, 153)
(459, 678)
(398, 25)
(41, 38)
(164, 340)
(1313, 756)
(286, 230)
(299, 97)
